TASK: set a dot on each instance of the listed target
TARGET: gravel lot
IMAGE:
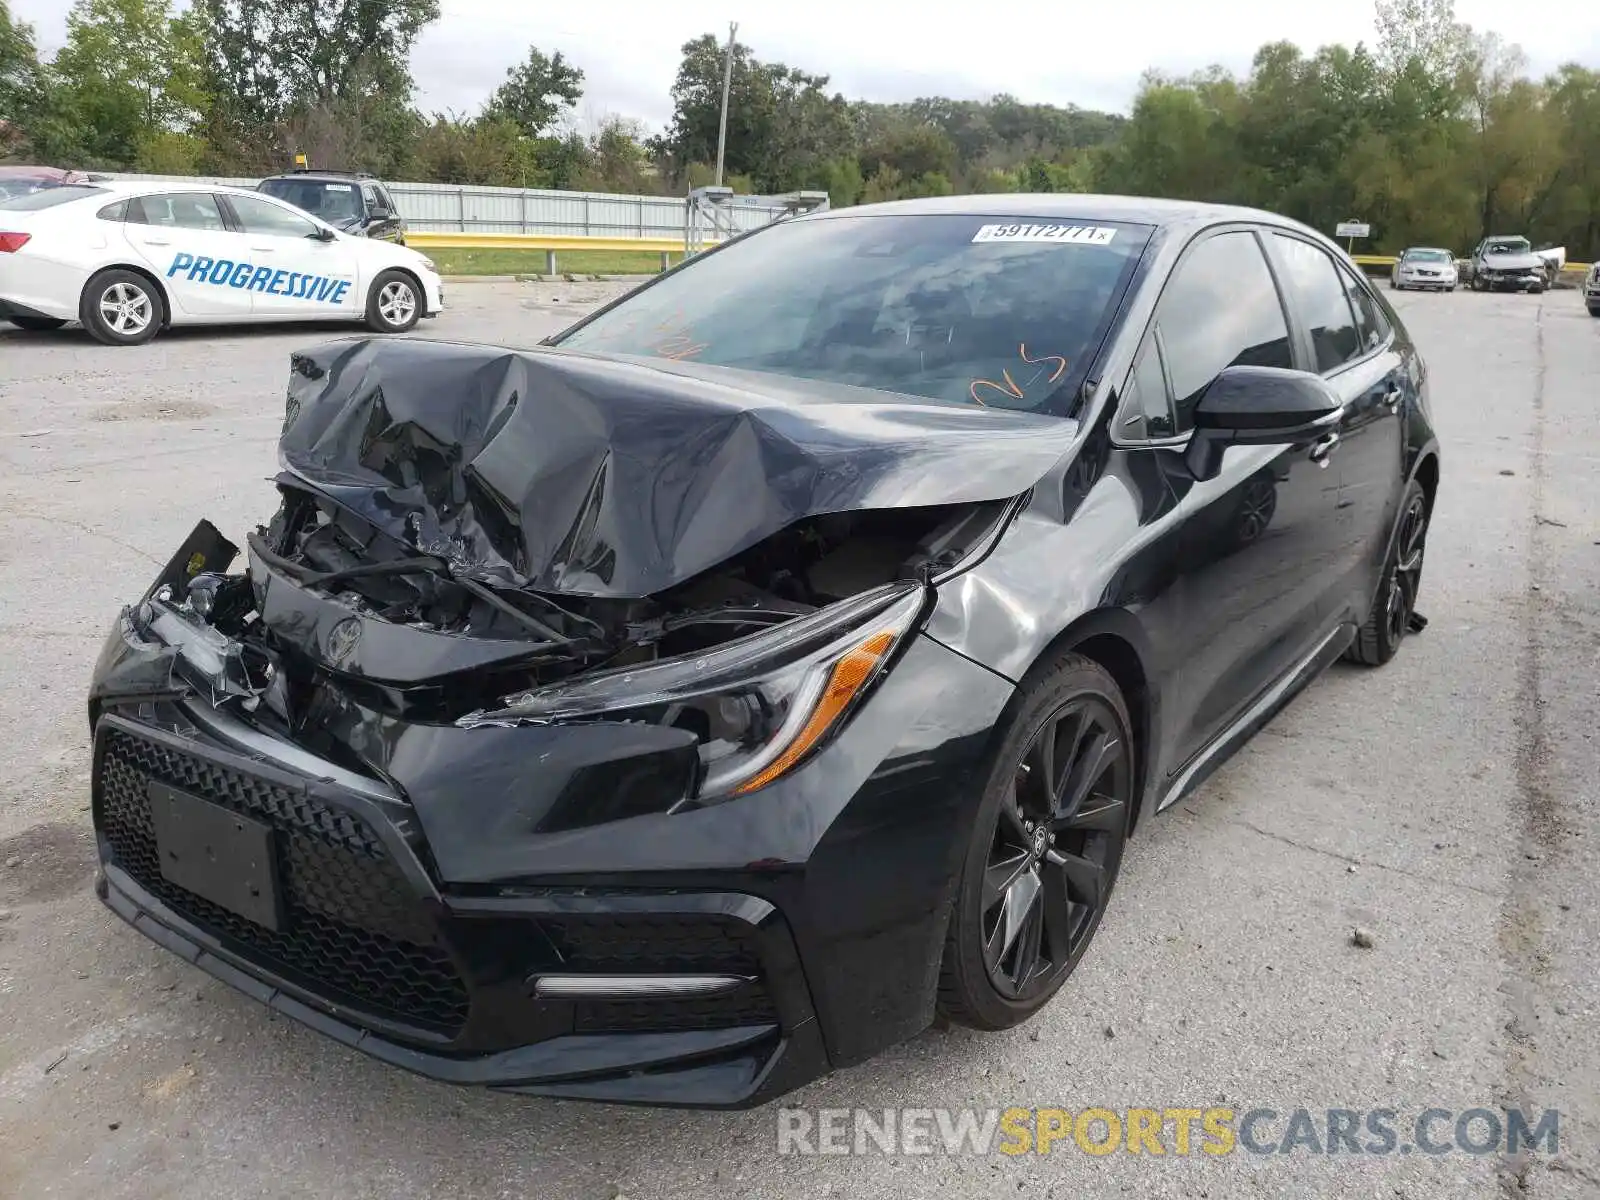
(1448, 803)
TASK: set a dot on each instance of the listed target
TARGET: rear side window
(1220, 309)
(1323, 302)
(48, 197)
(178, 210)
(1372, 325)
(114, 212)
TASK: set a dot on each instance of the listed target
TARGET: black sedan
(776, 658)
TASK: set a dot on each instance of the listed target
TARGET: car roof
(162, 187)
(325, 176)
(110, 190)
(1429, 249)
(1138, 210)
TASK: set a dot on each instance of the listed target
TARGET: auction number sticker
(1072, 235)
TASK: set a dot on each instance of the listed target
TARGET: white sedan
(1425, 267)
(128, 259)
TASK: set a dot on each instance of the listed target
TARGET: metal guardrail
(551, 244)
(556, 244)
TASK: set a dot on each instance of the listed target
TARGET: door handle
(262, 249)
(152, 241)
(1323, 447)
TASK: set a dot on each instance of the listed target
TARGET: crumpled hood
(585, 475)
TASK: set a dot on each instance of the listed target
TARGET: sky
(1088, 55)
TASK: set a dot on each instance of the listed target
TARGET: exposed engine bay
(338, 556)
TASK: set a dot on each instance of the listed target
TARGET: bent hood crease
(577, 474)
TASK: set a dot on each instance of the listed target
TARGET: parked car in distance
(127, 259)
(21, 180)
(1425, 267)
(352, 202)
(1508, 264)
(1591, 290)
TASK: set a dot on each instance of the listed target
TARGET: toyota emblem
(342, 640)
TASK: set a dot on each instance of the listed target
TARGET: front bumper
(375, 956)
(1408, 279)
(1513, 280)
(418, 921)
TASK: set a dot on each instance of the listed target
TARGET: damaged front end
(336, 637)
(513, 775)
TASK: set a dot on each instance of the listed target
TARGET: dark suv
(355, 203)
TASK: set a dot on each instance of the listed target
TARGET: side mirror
(324, 234)
(1259, 406)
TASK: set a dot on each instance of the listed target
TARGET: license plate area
(218, 854)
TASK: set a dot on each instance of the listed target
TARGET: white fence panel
(452, 208)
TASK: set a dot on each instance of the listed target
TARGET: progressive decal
(322, 289)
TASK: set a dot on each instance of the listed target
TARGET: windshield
(1508, 246)
(335, 203)
(46, 196)
(1431, 256)
(958, 308)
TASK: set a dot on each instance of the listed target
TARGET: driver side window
(1220, 309)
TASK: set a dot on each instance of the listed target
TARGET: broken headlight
(760, 705)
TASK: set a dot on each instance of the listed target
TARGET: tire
(1379, 638)
(1594, 310)
(1031, 893)
(122, 308)
(36, 324)
(394, 305)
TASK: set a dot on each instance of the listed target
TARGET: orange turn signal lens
(845, 681)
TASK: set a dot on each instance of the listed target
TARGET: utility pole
(727, 83)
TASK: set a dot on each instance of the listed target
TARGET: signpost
(1351, 230)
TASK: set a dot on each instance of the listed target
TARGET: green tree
(618, 161)
(19, 64)
(782, 123)
(537, 91)
(267, 57)
(127, 73)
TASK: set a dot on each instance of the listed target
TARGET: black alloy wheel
(1406, 579)
(1379, 639)
(1046, 849)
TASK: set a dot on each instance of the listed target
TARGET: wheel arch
(399, 269)
(1427, 474)
(1114, 639)
(144, 273)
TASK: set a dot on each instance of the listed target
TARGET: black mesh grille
(750, 1005)
(659, 943)
(355, 931)
(665, 942)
